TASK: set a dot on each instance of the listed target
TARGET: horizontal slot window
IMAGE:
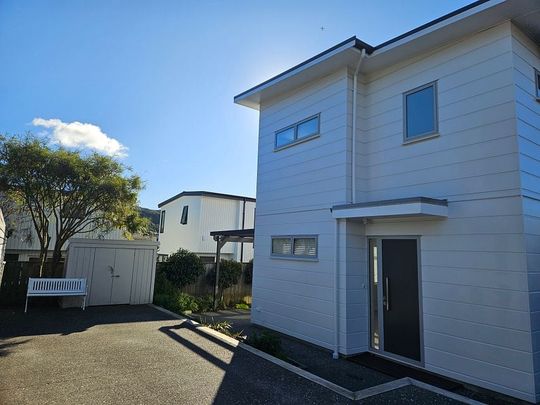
(297, 132)
(295, 246)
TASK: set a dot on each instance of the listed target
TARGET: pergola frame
(221, 238)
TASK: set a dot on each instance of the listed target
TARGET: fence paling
(15, 280)
(236, 293)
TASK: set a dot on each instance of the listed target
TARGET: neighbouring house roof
(206, 194)
(467, 20)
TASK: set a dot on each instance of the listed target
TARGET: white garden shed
(117, 271)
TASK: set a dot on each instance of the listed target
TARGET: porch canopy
(401, 207)
(222, 237)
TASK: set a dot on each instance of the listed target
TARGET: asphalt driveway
(139, 355)
(133, 354)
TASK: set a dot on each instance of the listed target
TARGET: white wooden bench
(56, 287)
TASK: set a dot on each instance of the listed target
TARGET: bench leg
(84, 303)
(26, 305)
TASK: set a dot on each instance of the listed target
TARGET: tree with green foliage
(230, 272)
(183, 268)
(68, 191)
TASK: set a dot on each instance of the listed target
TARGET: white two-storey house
(187, 219)
(398, 198)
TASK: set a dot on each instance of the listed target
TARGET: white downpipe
(354, 113)
(335, 355)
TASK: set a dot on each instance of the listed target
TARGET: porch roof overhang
(234, 235)
(401, 207)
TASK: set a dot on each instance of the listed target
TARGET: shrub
(248, 272)
(229, 274)
(205, 303)
(183, 268)
(186, 302)
(242, 305)
(162, 284)
(267, 342)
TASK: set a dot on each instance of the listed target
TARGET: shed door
(122, 276)
(101, 286)
(111, 276)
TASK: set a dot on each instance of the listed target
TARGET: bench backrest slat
(56, 285)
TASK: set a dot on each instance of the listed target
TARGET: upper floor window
(162, 222)
(537, 82)
(183, 219)
(294, 246)
(420, 112)
(298, 132)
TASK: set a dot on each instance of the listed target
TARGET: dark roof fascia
(235, 232)
(425, 200)
(358, 44)
(207, 194)
(430, 23)
(369, 48)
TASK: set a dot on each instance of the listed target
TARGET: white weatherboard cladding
(480, 281)
(24, 239)
(205, 214)
(176, 235)
(133, 261)
(526, 57)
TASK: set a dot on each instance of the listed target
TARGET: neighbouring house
(398, 198)
(23, 244)
(187, 219)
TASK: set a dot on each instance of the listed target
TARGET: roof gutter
(354, 120)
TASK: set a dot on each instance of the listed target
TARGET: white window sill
(296, 259)
(298, 141)
(421, 138)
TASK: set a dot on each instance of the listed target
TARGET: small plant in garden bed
(242, 305)
(268, 343)
(224, 327)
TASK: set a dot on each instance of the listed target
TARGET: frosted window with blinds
(294, 246)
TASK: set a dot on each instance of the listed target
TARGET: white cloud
(81, 135)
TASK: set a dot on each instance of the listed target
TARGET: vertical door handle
(387, 293)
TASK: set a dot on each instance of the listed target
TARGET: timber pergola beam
(221, 238)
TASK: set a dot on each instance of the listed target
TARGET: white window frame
(537, 84)
(297, 140)
(435, 131)
(292, 255)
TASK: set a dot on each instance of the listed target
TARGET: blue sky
(159, 77)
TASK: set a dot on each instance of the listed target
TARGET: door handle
(387, 294)
(116, 276)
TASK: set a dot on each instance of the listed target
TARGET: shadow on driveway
(49, 320)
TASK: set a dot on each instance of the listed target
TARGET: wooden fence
(14, 280)
(241, 291)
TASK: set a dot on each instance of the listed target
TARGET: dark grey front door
(401, 315)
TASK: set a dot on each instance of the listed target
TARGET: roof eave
(251, 98)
